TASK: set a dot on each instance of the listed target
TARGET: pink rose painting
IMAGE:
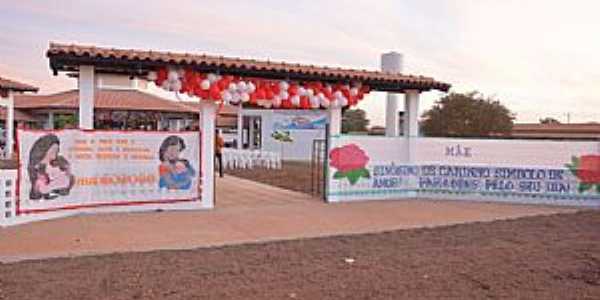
(350, 162)
(587, 169)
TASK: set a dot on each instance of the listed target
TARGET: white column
(208, 120)
(50, 124)
(391, 115)
(335, 121)
(251, 133)
(240, 128)
(411, 113)
(391, 62)
(411, 124)
(87, 88)
(10, 124)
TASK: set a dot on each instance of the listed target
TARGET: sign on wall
(299, 120)
(71, 169)
(559, 172)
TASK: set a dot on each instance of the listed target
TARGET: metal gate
(318, 166)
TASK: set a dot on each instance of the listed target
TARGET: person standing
(219, 144)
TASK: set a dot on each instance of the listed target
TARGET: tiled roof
(536, 130)
(19, 115)
(134, 100)
(7, 84)
(65, 57)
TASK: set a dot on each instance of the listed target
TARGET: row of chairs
(248, 159)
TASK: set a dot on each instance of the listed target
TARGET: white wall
(299, 149)
(523, 171)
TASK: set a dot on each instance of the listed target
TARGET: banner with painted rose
(363, 168)
(71, 169)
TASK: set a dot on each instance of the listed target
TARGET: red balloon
(304, 102)
(346, 93)
(275, 88)
(260, 93)
(352, 100)
(269, 94)
(286, 103)
(253, 98)
(293, 89)
(215, 92)
(328, 94)
(161, 76)
(204, 94)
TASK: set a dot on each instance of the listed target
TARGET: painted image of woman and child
(175, 173)
(49, 173)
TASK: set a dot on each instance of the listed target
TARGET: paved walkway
(246, 212)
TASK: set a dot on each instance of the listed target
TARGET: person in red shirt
(219, 144)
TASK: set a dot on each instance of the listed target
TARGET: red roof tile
(106, 99)
(68, 57)
(7, 84)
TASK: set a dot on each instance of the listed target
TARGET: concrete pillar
(50, 123)
(207, 120)
(87, 87)
(391, 115)
(10, 124)
(411, 113)
(335, 121)
(240, 128)
(391, 62)
(411, 124)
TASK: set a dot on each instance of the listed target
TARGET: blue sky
(540, 58)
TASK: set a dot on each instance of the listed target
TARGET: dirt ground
(548, 257)
(294, 175)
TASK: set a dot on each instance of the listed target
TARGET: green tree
(549, 120)
(467, 115)
(354, 120)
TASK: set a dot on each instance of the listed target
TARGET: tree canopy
(549, 120)
(467, 115)
(354, 120)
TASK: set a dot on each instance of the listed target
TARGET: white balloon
(283, 85)
(232, 87)
(245, 97)
(176, 86)
(226, 96)
(310, 92)
(301, 91)
(251, 87)
(321, 96)
(328, 88)
(276, 101)
(180, 73)
(284, 95)
(354, 91)
(173, 75)
(152, 76)
(343, 101)
(205, 84)
(335, 103)
(235, 98)
(295, 100)
(211, 77)
(325, 102)
(315, 102)
(338, 94)
(241, 86)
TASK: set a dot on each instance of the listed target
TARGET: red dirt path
(549, 257)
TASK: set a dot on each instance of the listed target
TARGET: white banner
(71, 169)
(363, 168)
